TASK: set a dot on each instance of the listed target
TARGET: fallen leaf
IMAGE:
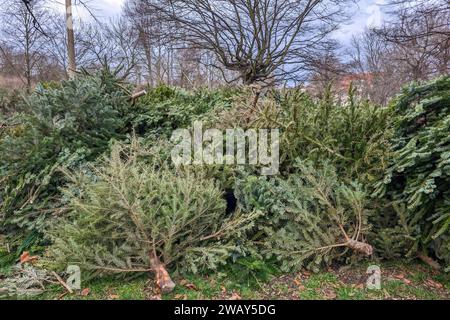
(329, 293)
(299, 284)
(407, 281)
(235, 296)
(85, 292)
(26, 258)
(360, 286)
(433, 283)
(183, 282)
(188, 284)
(180, 296)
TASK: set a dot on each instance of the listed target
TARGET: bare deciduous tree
(420, 33)
(412, 44)
(261, 40)
(56, 42)
(373, 57)
(326, 68)
(23, 36)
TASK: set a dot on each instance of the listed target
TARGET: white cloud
(101, 9)
(367, 13)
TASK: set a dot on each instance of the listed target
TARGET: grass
(398, 281)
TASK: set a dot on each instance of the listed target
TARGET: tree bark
(163, 279)
(70, 40)
(359, 246)
(27, 59)
(148, 55)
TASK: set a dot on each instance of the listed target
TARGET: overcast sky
(364, 13)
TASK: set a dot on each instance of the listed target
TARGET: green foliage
(66, 126)
(354, 136)
(418, 176)
(118, 209)
(250, 271)
(392, 236)
(127, 209)
(50, 85)
(10, 101)
(307, 217)
(164, 109)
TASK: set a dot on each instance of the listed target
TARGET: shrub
(10, 102)
(131, 217)
(418, 176)
(310, 219)
(164, 109)
(66, 126)
(354, 136)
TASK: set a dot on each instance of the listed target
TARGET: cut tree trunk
(138, 94)
(435, 265)
(163, 279)
(359, 246)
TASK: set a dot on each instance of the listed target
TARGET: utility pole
(70, 40)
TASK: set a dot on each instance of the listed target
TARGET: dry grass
(11, 82)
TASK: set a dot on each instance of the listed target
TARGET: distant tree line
(213, 42)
